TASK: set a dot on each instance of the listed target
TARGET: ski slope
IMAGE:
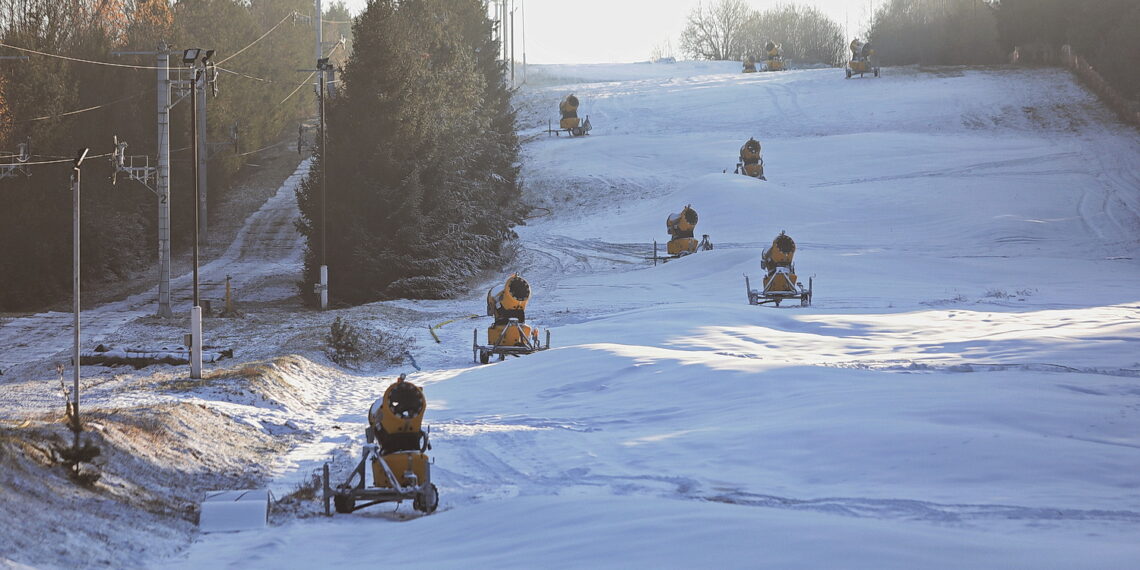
(962, 393)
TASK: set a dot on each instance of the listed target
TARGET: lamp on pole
(323, 67)
(190, 57)
(75, 277)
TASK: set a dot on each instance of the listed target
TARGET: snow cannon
(681, 243)
(774, 57)
(569, 121)
(508, 334)
(780, 281)
(751, 162)
(860, 63)
(680, 227)
(749, 64)
(396, 452)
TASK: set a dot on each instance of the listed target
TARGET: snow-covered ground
(963, 392)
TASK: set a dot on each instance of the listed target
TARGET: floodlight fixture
(190, 56)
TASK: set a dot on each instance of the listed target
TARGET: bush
(347, 345)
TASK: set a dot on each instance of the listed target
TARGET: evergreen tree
(420, 168)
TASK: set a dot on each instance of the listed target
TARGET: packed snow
(962, 392)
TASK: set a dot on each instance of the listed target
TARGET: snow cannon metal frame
(509, 335)
(861, 67)
(569, 121)
(395, 450)
(781, 282)
(680, 227)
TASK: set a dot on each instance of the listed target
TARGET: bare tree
(714, 31)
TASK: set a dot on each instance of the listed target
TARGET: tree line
(933, 32)
(57, 101)
(420, 175)
(732, 30)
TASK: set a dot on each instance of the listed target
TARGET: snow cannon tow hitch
(396, 452)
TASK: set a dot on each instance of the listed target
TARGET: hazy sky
(605, 31)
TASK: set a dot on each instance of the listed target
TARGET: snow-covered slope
(962, 393)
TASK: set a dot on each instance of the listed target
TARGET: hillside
(962, 392)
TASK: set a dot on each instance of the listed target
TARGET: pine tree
(421, 179)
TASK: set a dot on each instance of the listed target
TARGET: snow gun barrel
(400, 410)
(780, 253)
(511, 297)
(682, 224)
(568, 107)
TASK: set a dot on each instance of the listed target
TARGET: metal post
(196, 309)
(163, 181)
(322, 68)
(321, 65)
(202, 158)
(512, 43)
(320, 20)
(75, 281)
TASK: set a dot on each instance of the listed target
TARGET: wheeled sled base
(512, 340)
(774, 293)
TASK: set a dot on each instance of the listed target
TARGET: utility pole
(198, 82)
(202, 155)
(163, 181)
(323, 66)
(75, 279)
(512, 43)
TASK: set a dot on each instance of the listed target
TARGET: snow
(962, 392)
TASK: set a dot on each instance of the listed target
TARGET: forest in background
(422, 170)
(931, 32)
(60, 101)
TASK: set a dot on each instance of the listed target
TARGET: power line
(126, 66)
(78, 111)
(76, 59)
(246, 75)
(287, 16)
(61, 160)
(303, 83)
(306, 80)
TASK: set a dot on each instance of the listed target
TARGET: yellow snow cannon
(509, 334)
(751, 162)
(681, 243)
(774, 57)
(780, 281)
(860, 62)
(396, 452)
(749, 64)
(570, 123)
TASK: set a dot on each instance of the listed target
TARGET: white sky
(618, 31)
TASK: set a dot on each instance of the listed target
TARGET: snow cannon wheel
(426, 501)
(343, 503)
(848, 73)
(484, 357)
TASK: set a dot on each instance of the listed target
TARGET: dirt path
(253, 240)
